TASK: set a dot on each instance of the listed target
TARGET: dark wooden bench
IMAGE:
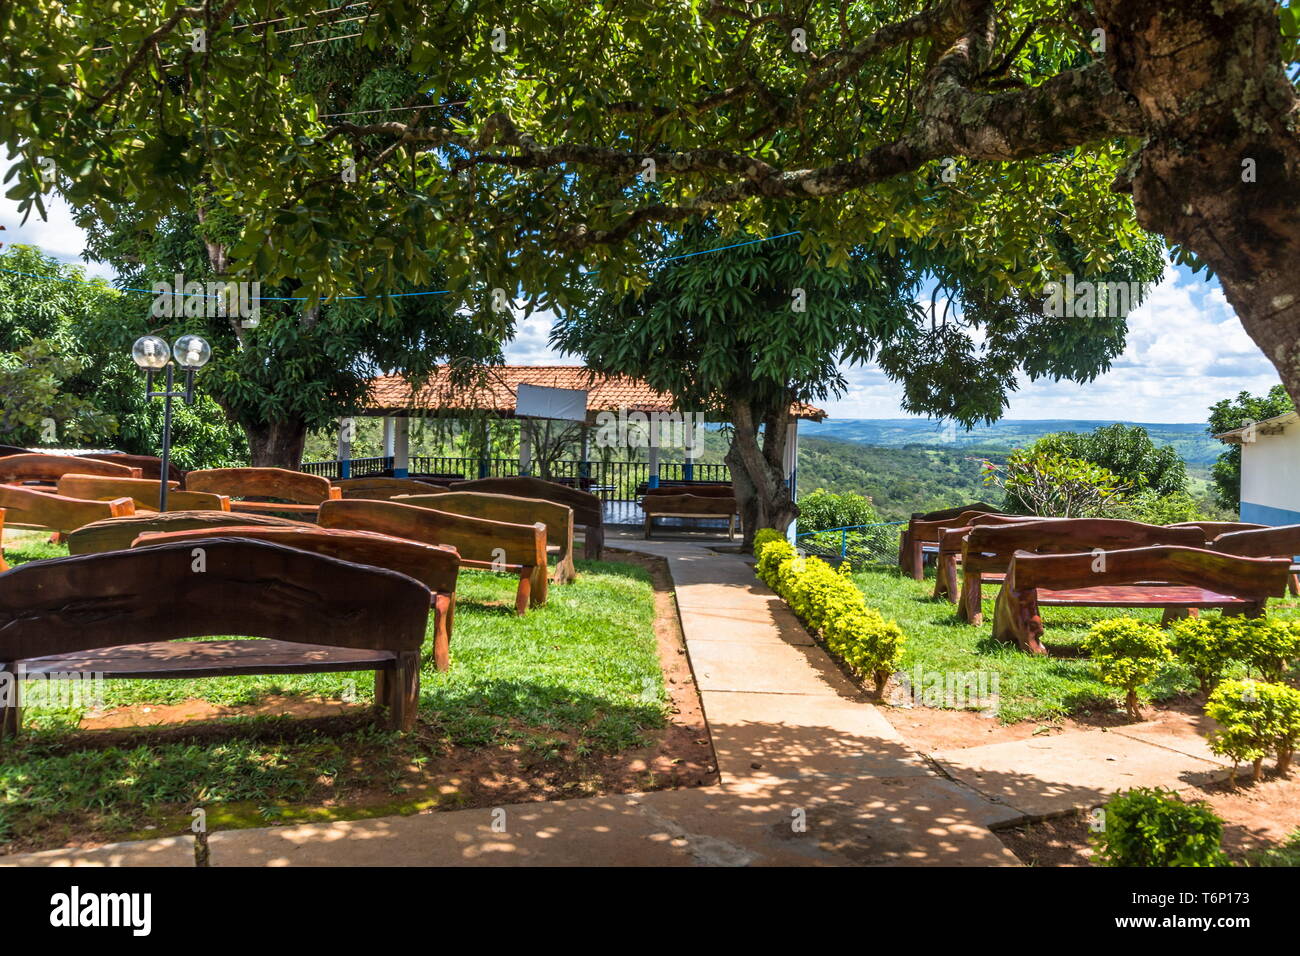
(379, 488)
(150, 465)
(50, 468)
(587, 508)
(951, 541)
(922, 532)
(513, 510)
(987, 550)
(1262, 541)
(143, 491)
(1174, 578)
(120, 615)
(116, 534)
(681, 486)
(434, 566)
(33, 508)
(689, 506)
(483, 544)
(1213, 529)
(266, 490)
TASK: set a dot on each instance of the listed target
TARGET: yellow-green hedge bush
(828, 602)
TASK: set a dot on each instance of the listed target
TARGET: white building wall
(1270, 478)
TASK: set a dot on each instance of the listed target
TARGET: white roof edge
(1268, 426)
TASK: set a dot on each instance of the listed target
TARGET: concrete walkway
(810, 774)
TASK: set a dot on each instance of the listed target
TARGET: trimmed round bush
(1152, 827)
(1255, 719)
(1128, 653)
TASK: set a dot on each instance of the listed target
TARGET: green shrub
(1205, 645)
(765, 535)
(1128, 653)
(1152, 827)
(820, 509)
(1264, 645)
(1255, 719)
(830, 604)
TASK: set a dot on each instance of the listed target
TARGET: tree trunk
(1220, 170)
(758, 472)
(276, 444)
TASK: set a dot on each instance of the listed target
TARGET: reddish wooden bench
(923, 530)
(150, 465)
(587, 509)
(143, 491)
(266, 490)
(116, 534)
(119, 615)
(689, 506)
(1264, 542)
(988, 549)
(1213, 529)
(953, 539)
(487, 545)
(434, 566)
(1165, 576)
(380, 488)
(3, 565)
(50, 468)
(33, 508)
(509, 508)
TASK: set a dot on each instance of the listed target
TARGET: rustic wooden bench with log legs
(380, 488)
(689, 506)
(45, 510)
(117, 534)
(434, 566)
(587, 508)
(143, 491)
(988, 549)
(296, 493)
(3, 565)
(1264, 542)
(15, 469)
(923, 530)
(1166, 576)
(487, 545)
(119, 615)
(951, 541)
(509, 508)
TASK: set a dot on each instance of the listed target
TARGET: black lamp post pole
(167, 396)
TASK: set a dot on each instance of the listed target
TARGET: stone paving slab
(767, 668)
(739, 625)
(1044, 776)
(1192, 745)
(166, 851)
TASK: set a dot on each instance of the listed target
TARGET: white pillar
(401, 447)
(525, 448)
(388, 436)
(791, 466)
(654, 466)
(346, 425)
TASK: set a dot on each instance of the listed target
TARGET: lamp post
(151, 353)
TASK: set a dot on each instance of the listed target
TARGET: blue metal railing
(844, 534)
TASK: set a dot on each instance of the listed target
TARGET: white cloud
(57, 235)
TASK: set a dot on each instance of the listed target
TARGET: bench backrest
(930, 530)
(951, 539)
(1213, 529)
(3, 565)
(379, 488)
(434, 566)
(943, 513)
(1251, 578)
(116, 534)
(699, 491)
(249, 588)
(34, 467)
(1279, 542)
(586, 507)
(150, 465)
(478, 504)
(689, 505)
(296, 487)
(29, 508)
(478, 540)
(143, 491)
(1065, 535)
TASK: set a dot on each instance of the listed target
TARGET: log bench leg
(917, 559)
(1172, 614)
(945, 577)
(398, 691)
(1016, 620)
(444, 607)
(970, 604)
(593, 542)
(565, 572)
(731, 527)
(540, 586)
(11, 714)
(523, 596)
(648, 519)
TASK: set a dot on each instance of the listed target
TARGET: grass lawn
(577, 678)
(1029, 687)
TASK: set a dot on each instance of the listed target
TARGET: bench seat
(1137, 595)
(222, 658)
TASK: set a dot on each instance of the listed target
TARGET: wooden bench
(1166, 576)
(951, 541)
(50, 468)
(32, 508)
(1264, 542)
(587, 508)
(295, 492)
(683, 487)
(116, 534)
(514, 510)
(487, 545)
(689, 506)
(150, 465)
(379, 488)
(143, 491)
(3, 565)
(120, 615)
(923, 529)
(1213, 529)
(434, 566)
(988, 549)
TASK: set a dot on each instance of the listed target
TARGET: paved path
(810, 774)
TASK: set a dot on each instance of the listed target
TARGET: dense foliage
(1153, 827)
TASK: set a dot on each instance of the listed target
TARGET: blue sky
(1185, 350)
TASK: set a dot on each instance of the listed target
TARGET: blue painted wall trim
(345, 468)
(400, 472)
(1267, 514)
